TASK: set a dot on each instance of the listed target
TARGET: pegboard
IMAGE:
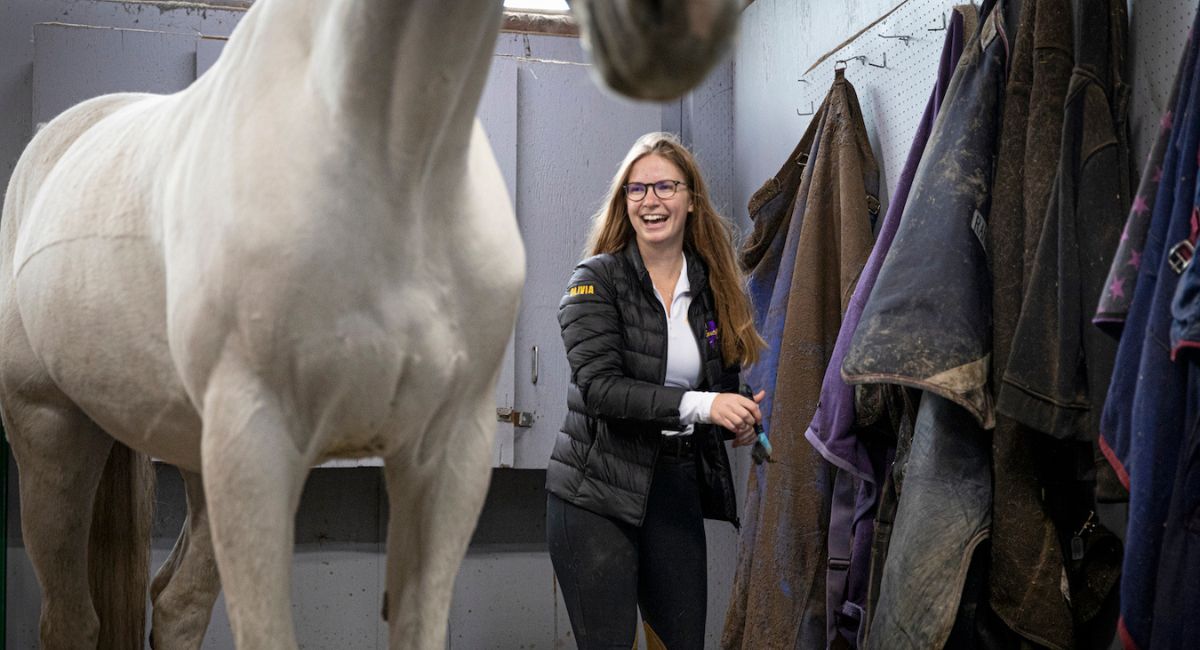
(893, 97)
(893, 66)
(1158, 32)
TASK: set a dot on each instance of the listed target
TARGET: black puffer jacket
(615, 332)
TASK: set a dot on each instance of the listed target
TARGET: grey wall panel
(572, 137)
(17, 20)
(708, 130)
(75, 62)
(207, 51)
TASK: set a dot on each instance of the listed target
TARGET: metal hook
(862, 58)
(811, 110)
(803, 81)
(904, 38)
(939, 29)
(880, 65)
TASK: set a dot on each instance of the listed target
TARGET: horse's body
(307, 254)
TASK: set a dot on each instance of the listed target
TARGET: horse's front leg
(436, 490)
(253, 476)
(187, 584)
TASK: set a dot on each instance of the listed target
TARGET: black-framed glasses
(662, 189)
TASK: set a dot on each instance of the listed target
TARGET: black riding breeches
(608, 569)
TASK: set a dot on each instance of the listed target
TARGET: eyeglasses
(662, 189)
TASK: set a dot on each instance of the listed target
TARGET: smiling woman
(640, 460)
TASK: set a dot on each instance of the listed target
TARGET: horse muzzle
(656, 50)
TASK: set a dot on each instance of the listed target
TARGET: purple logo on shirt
(710, 334)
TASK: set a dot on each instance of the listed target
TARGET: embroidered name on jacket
(581, 290)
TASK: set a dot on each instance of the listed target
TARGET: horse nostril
(656, 9)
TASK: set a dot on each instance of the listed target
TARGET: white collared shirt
(683, 357)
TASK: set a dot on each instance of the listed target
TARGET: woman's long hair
(707, 232)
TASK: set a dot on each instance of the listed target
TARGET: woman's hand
(738, 414)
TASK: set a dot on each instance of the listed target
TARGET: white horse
(308, 254)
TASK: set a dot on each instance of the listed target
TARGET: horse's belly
(94, 313)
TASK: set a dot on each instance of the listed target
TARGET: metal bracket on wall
(517, 418)
(533, 370)
(861, 58)
(904, 38)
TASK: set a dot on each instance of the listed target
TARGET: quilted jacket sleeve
(592, 333)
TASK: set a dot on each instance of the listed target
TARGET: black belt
(678, 446)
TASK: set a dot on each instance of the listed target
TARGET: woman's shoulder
(601, 261)
(605, 266)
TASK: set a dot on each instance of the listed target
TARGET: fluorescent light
(559, 6)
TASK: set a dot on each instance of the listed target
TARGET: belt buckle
(1180, 255)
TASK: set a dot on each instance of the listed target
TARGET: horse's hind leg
(60, 455)
(187, 584)
(435, 494)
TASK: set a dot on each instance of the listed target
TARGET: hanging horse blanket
(1149, 417)
(812, 235)
(1149, 422)
(1178, 591)
(927, 325)
(928, 321)
(1152, 207)
(832, 431)
(1123, 274)
(1059, 366)
(1026, 554)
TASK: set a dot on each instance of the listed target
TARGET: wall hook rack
(861, 58)
(879, 65)
(942, 28)
(904, 38)
(811, 110)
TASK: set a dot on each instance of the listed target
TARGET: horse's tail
(119, 548)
